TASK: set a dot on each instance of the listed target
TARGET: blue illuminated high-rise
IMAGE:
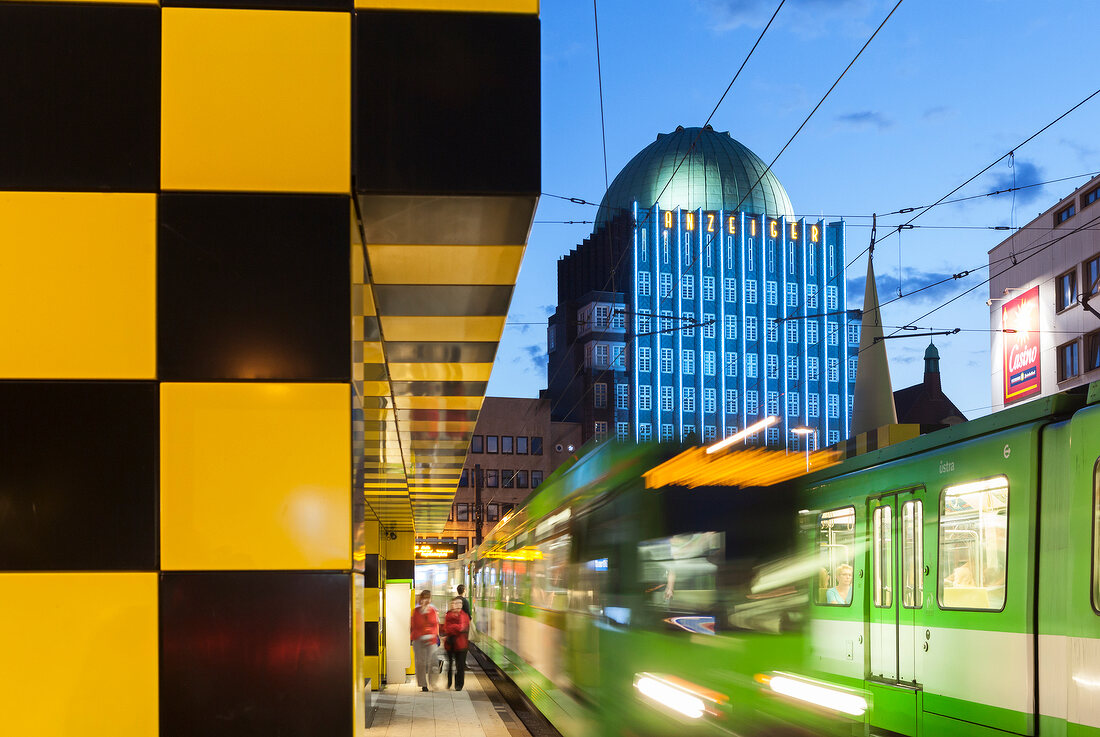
(732, 308)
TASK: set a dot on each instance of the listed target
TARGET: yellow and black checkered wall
(186, 429)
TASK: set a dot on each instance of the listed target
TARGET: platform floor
(477, 711)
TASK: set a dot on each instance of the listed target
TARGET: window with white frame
(773, 330)
(645, 325)
(708, 363)
(853, 364)
(832, 332)
(584, 320)
(792, 294)
(771, 290)
(750, 328)
(772, 436)
(603, 314)
(600, 428)
(688, 324)
(853, 333)
(834, 370)
(708, 400)
(645, 360)
(812, 405)
(812, 369)
(643, 249)
(834, 406)
(622, 396)
(666, 432)
(751, 360)
(689, 430)
(688, 400)
(599, 395)
(687, 362)
(588, 354)
(731, 364)
(666, 398)
(731, 401)
(666, 284)
(773, 403)
(851, 401)
(731, 291)
(645, 431)
(750, 292)
(603, 355)
(792, 368)
(811, 296)
(731, 327)
(792, 331)
(666, 360)
(708, 288)
(666, 321)
(834, 437)
(622, 430)
(811, 332)
(687, 286)
(643, 284)
(772, 363)
(708, 325)
(752, 402)
(618, 319)
(830, 298)
(645, 398)
(792, 404)
(792, 441)
(709, 432)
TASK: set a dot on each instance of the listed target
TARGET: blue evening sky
(944, 89)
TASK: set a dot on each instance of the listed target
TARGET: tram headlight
(678, 695)
(813, 692)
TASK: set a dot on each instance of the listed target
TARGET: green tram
(625, 610)
(957, 576)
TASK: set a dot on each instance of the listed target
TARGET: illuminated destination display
(425, 551)
(1020, 320)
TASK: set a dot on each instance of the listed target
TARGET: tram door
(896, 589)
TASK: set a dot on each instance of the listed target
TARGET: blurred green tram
(625, 610)
(975, 604)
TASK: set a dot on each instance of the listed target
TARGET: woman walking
(456, 626)
(424, 633)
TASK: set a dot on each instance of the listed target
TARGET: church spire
(874, 400)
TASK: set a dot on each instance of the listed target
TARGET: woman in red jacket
(456, 626)
(424, 633)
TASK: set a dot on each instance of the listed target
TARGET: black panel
(371, 572)
(438, 388)
(253, 287)
(458, 220)
(255, 653)
(399, 569)
(447, 103)
(79, 97)
(398, 352)
(370, 638)
(448, 300)
(78, 475)
(262, 4)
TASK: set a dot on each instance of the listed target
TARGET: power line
(599, 77)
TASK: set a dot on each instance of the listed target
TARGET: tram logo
(1021, 347)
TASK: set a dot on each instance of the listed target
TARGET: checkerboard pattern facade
(256, 260)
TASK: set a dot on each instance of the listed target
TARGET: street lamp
(806, 431)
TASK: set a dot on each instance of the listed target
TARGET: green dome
(715, 176)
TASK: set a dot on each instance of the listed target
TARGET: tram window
(549, 573)
(680, 577)
(835, 541)
(973, 545)
(912, 554)
(882, 556)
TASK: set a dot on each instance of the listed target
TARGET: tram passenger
(961, 576)
(842, 592)
(424, 633)
(456, 626)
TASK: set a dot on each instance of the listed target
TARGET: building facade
(1044, 284)
(695, 309)
(515, 447)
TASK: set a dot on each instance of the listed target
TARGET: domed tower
(695, 168)
(702, 305)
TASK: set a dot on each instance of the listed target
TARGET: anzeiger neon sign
(1022, 379)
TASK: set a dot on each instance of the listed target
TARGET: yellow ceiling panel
(440, 371)
(452, 444)
(444, 264)
(372, 352)
(438, 425)
(408, 328)
(438, 402)
(378, 414)
(376, 388)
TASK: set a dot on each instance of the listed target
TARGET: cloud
(537, 357)
(865, 118)
(1025, 173)
(939, 112)
(911, 281)
(725, 15)
(1080, 150)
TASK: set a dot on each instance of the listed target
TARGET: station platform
(480, 709)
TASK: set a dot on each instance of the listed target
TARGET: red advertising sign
(1021, 347)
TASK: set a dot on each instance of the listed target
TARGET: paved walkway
(478, 710)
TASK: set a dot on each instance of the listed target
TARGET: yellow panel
(475, 6)
(376, 388)
(444, 264)
(372, 353)
(255, 476)
(438, 402)
(376, 415)
(453, 444)
(78, 285)
(401, 328)
(440, 371)
(256, 100)
(439, 426)
(80, 654)
(370, 670)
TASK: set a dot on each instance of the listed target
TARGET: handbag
(472, 634)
